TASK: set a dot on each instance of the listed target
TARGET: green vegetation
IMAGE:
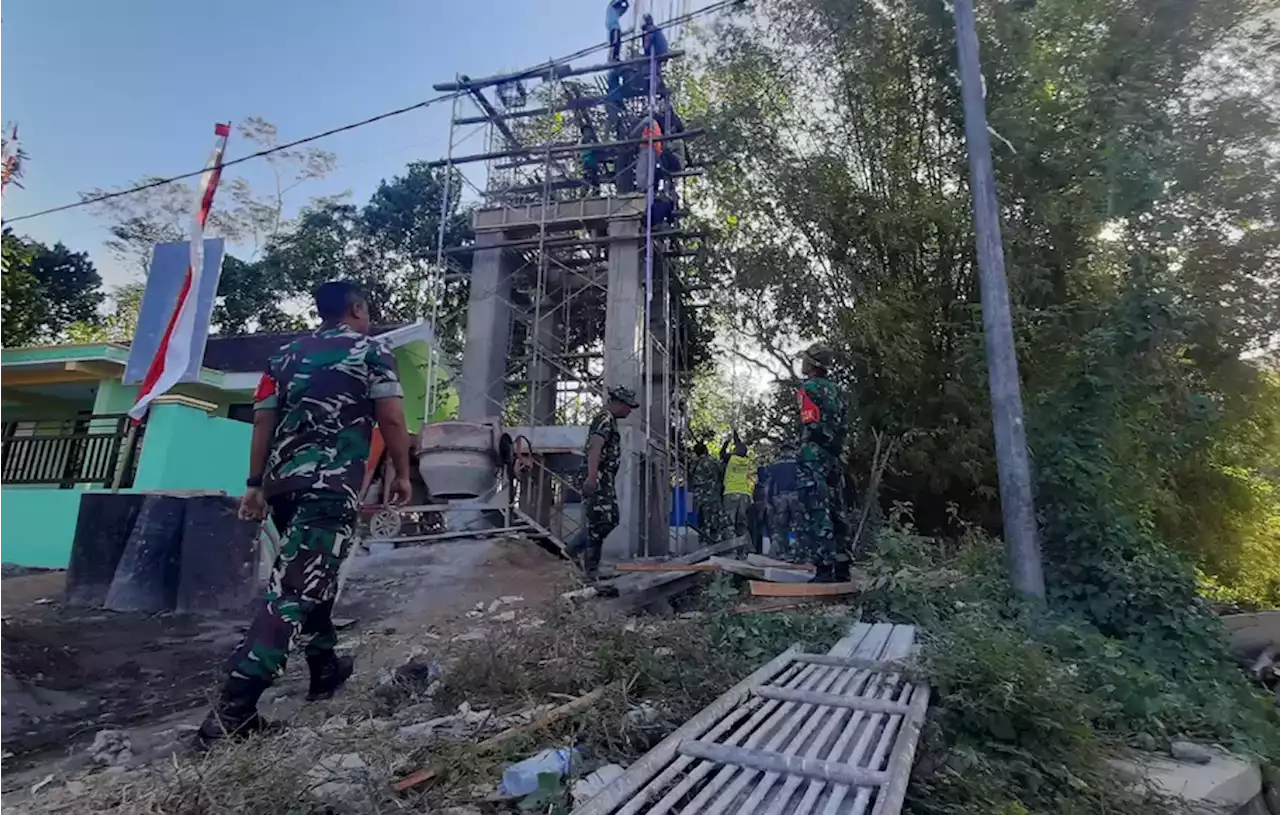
(1138, 171)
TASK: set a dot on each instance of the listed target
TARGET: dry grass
(659, 671)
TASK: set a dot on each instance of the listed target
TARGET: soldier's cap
(624, 395)
(820, 355)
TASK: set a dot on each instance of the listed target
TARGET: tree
(389, 247)
(1140, 182)
(242, 215)
(22, 305)
(118, 324)
(71, 285)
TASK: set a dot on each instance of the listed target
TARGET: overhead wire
(160, 182)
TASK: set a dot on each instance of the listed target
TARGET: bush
(1029, 701)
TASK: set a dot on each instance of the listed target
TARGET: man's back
(605, 425)
(323, 386)
(822, 416)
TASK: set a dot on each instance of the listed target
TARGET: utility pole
(1020, 533)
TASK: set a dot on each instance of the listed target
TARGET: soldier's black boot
(328, 673)
(840, 570)
(591, 562)
(235, 715)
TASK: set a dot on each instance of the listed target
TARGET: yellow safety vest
(738, 475)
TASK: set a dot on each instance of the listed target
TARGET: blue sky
(108, 91)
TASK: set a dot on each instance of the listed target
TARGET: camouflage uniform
(324, 386)
(706, 482)
(600, 508)
(820, 473)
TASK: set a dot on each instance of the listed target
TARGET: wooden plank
(667, 567)
(764, 560)
(783, 764)
(776, 604)
(893, 794)
(841, 700)
(648, 766)
(760, 588)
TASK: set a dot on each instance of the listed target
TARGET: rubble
(586, 788)
(111, 748)
(337, 777)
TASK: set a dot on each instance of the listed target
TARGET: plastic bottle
(521, 778)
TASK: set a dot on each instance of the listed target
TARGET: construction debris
(549, 717)
(760, 588)
(842, 725)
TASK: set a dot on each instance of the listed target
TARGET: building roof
(248, 353)
(229, 363)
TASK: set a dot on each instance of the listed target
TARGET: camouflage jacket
(823, 420)
(605, 425)
(324, 386)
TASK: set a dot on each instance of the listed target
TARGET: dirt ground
(69, 673)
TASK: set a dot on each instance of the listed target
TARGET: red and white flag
(10, 160)
(173, 355)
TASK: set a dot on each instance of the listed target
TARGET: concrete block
(1226, 784)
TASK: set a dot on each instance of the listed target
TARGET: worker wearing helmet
(819, 470)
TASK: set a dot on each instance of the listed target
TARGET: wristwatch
(253, 481)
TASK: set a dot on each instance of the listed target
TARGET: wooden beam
(667, 567)
(760, 588)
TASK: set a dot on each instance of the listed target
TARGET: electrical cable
(97, 199)
(163, 181)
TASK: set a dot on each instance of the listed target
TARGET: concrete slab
(1224, 785)
(1251, 633)
(516, 221)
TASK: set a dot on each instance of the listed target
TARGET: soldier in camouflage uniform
(314, 413)
(603, 452)
(706, 482)
(819, 469)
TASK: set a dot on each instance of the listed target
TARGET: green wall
(187, 449)
(37, 526)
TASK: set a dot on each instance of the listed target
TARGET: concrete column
(166, 459)
(624, 335)
(548, 333)
(484, 360)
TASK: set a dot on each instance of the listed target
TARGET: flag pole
(173, 355)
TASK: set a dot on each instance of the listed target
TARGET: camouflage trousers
(819, 516)
(317, 530)
(782, 512)
(599, 518)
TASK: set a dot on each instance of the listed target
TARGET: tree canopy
(1138, 170)
(47, 289)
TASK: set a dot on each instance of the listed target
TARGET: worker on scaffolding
(603, 451)
(655, 42)
(590, 155)
(613, 24)
(649, 155)
(820, 469)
